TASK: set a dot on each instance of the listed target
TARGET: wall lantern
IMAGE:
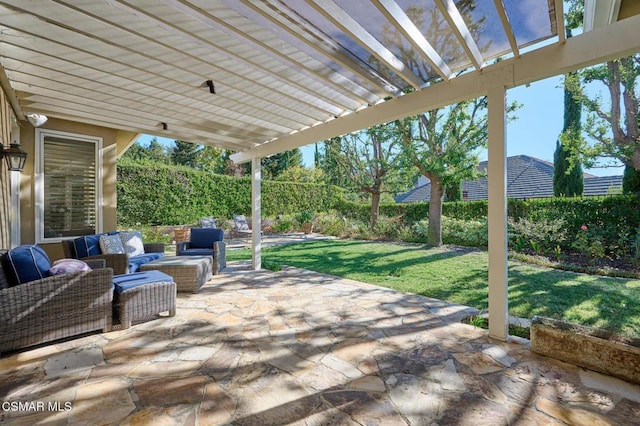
(16, 157)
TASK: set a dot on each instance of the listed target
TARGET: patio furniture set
(104, 278)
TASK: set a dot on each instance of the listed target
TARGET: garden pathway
(299, 347)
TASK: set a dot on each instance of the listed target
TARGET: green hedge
(171, 196)
(151, 195)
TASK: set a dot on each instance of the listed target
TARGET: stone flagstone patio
(299, 347)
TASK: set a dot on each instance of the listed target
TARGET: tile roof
(527, 177)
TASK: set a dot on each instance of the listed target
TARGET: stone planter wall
(587, 347)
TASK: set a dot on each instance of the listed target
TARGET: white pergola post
(497, 215)
(256, 216)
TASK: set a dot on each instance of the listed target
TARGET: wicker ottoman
(189, 272)
(143, 295)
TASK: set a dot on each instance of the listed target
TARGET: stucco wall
(629, 8)
(5, 206)
(27, 193)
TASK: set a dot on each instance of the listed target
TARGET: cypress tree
(453, 192)
(630, 181)
(568, 183)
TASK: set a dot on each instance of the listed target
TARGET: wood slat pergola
(263, 76)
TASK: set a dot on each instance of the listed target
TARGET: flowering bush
(588, 243)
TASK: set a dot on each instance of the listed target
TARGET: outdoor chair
(241, 227)
(205, 242)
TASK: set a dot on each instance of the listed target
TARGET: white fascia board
(600, 45)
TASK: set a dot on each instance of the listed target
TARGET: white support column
(256, 218)
(497, 216)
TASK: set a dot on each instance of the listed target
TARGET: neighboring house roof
(527, 177)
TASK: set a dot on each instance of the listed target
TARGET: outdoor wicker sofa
(88, 247)
(54, 307)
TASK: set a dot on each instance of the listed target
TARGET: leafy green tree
(371, 160)
(154, 153)
(210, 159)
(301, 174)
(443, 144)
(157, 152)
(453, 192)
(567, 177)
(185, 153)
(612, 124)
(328, 162)
(278, 163)
(630, 181)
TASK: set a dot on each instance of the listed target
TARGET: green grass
(460, 275)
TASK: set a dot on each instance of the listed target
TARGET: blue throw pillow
(89, 245)
(28, 263)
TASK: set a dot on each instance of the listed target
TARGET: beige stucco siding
(629, 8)
(28, 195)
(5, 199)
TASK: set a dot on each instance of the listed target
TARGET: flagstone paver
(302, 348)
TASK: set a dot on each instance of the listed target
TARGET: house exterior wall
(6, 115)
(28, 188)
(629, 8)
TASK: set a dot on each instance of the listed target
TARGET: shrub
(283, 224)
(389, 228)
(470, 233)
(541, 236)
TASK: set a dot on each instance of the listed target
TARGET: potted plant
(305, 219)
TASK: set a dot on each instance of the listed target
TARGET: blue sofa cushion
(205, 237)
(27, 263)
(197, 252)
(136, 261)
(89, 245)
(128, 281)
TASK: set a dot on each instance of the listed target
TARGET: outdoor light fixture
(36, 120)
(212, 88)
(15, 156)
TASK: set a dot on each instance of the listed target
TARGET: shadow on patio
(299, 347)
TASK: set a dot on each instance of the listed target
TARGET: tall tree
(185, 153)
(210, 159)
(567, 176)
(157, 152)
(277, 163)
(329, 160)
(630, 181)
(371, 161)
(443, 144)
(612, 126)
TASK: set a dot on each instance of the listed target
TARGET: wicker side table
(145, 301)
(189, 272)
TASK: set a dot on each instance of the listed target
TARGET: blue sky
(533, 133)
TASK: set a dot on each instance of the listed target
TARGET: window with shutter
(69, 186)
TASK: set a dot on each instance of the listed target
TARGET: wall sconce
(15, 156)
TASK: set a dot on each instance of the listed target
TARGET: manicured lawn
(460, 275)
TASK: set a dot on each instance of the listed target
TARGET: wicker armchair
(118, 262)
(205, 242)
(54, 307)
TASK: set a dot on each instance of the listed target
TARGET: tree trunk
(375, 208)
(434, 233)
